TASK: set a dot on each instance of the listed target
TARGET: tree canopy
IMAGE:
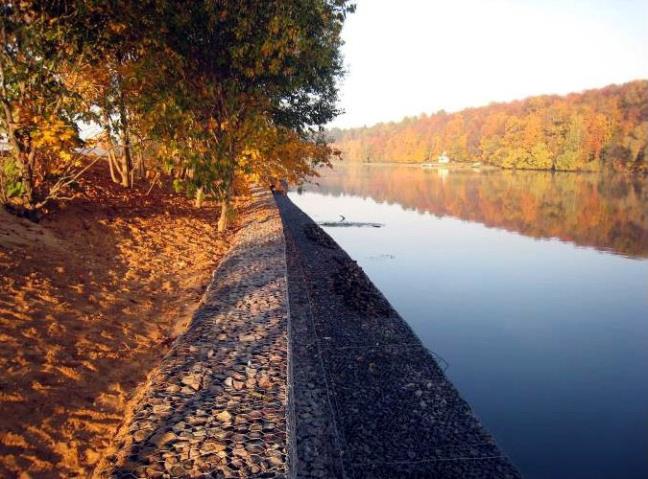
(203, 92)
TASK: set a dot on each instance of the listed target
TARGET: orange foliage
(582, 131)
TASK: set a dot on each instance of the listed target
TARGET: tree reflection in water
(606, 211)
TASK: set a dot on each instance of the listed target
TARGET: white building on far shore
(443, 159)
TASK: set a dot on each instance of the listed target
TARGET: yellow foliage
(53, 134)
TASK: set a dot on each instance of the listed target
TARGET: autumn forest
(589, 131)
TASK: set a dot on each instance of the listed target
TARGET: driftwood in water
(344, 223)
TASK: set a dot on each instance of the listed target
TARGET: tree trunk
(27, 177)
(112, 166)
(115, 166)
(226, 210)
(141, 169)
(127, 159)
(24, 159)
(126, 167)
(200, 196)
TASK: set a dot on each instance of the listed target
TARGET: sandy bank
(90, 300)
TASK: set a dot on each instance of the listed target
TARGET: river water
(532, 286)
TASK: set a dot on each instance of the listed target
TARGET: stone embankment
(297, 366)
(217, 405)
(370, 401)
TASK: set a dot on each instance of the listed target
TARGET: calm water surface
(532, 286)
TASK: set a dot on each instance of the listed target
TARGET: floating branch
(344, 223)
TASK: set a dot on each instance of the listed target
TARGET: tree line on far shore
(596, 129)
(203, 94)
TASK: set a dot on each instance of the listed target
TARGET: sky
(408, 57)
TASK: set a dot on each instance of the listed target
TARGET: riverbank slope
(370, 400)
(216, 405)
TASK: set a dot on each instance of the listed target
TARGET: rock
(208, 464)
(212, 445)
(193, 453)
(142, 434)
(196, 421)
(254, 469)
(178, 471)
(154, 471)
(264, 382)
(179, 426)
(255, 447)
(256, 427)
(214, 389)
(170, 462)
(241, 419)
(161, 408)
(240, 452)
(183, 455)
(224, 416)
(160, 439)
(226, 471)
(180, 446)
(192, 380)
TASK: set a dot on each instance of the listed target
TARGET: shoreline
(484, 167)
(296, 365)
(370, 400)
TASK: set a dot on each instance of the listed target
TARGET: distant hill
(587, 131)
